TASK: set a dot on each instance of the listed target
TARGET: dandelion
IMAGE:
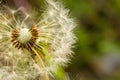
(33, 49)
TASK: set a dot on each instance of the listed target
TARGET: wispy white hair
(56, 29)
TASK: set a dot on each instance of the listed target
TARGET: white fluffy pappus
(31, 50)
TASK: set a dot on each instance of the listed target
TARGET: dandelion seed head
(35, 48)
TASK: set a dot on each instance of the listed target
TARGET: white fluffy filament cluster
(51, 48)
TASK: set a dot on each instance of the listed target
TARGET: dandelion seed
(36, 49)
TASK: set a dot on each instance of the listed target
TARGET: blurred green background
(97, 50)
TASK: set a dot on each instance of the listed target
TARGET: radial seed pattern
(31, 34)
(36, 48)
